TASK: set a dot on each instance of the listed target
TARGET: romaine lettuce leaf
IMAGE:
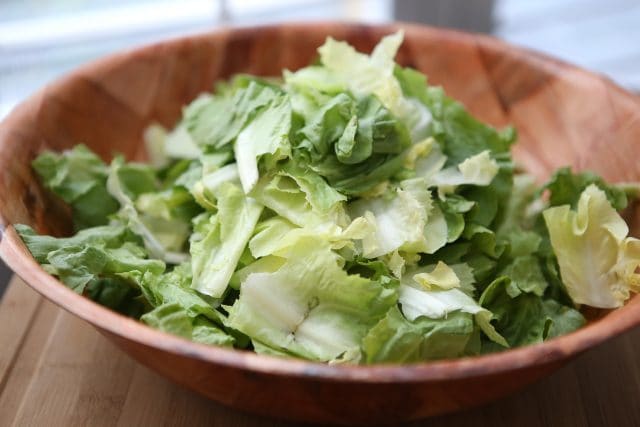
(174, 319)
(399, 221)
(267, 135)
(109, 236)
(519, 212)
(173, 204)
(204, 190)
(398, 340)
(462, 136)
(565, 188)
(526, 276)
(310, 307)
(526, 318)
(453, 208)
(597, 260)
(215, 121)
(78, 176)
(374, 74)
(353, 143)
(106, 262)
(417, 301)
(479, 169)
(302, 198)
(77, 266)
(162, 238)
(276, 235)
(405, 219)
(442, 277)
(174, 287)
(216, 249)
(319, 194)
(162, 146)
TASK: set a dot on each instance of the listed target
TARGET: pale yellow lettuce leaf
(597, 260)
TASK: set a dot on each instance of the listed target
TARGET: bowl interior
(564, 116)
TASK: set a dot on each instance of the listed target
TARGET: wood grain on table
(56, 370)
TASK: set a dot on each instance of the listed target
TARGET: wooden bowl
(565, 116)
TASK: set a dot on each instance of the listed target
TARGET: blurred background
(42, 39)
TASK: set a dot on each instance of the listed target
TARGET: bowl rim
(15, 254)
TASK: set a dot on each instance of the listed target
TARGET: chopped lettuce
(310, 306)
(175, 320)
(181, 310)
(215, 254)
(395, 339)
(399, 221)
(525, 318)
(267, 135)
(213, 122)
(352, 143)
(597, 260)
(162, 238)
(374, 74)
(479, 169)
(105, 262)
(348, 212)
(162, 146)
(78, 176)
(565, 188)
(302, 198)
(441, 277)
(418, 300)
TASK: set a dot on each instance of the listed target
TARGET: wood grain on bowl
(565, 116)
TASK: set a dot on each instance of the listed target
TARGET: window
(40, 40)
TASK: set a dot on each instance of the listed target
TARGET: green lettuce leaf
(106, 262)
(301, 197)
(479, 169)
(399, 221)
(162, 146)
(163, 239)
(417, 301)
(374, 74)
(319, 194)
(526, 276)
(454, 207)
(174, 319)
(174, 204)
(109, 236)
(276, 236)
(461, 136)
(174, 287)
(205, 189)
(77, 266)
(565, 188)
(267, 135)
(353, 143)
(526, 318)
(314, 77)
(78, 176)
(117, 293)
(519, 212)
(216, 248)
(168, 215)
(310, 307)
(215, 121)
(405, 219)
(397, 340)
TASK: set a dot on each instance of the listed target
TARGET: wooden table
(55, 370)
